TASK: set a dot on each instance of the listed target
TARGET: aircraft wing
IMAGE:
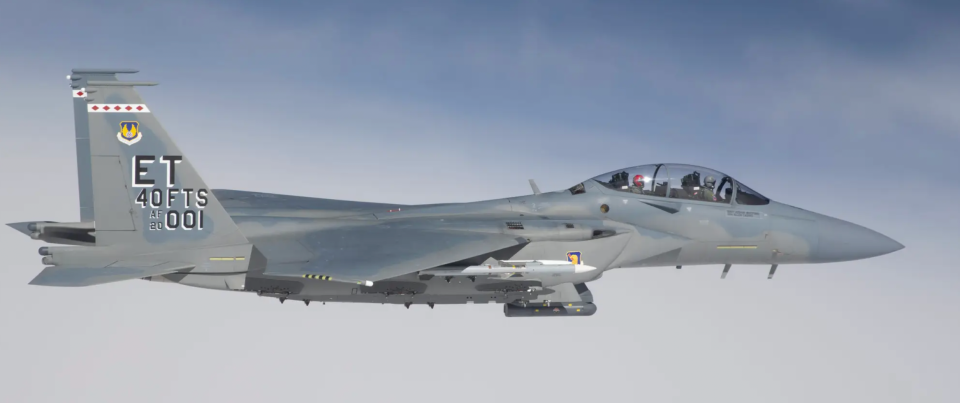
(61, 276)
(373, 253)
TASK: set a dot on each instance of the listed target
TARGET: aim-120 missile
(514, 266)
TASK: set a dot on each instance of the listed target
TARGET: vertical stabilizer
(135, 184)
(78, 91)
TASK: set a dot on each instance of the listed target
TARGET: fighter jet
(145, 213)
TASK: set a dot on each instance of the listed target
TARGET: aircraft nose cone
(843, 241)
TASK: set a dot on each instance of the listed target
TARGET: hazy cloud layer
(848, 108)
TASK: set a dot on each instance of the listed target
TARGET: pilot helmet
(710, 182)
(638, 181)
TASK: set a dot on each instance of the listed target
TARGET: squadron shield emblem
(574, 257)
(129, 133)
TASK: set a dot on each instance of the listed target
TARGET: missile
(514, 266)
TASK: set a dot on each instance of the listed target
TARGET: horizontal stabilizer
(57, 276)
(24, 226)
(77, 233)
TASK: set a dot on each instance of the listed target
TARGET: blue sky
(844, 107)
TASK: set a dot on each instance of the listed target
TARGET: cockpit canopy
(677, 181)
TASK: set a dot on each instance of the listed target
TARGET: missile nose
(843, 241)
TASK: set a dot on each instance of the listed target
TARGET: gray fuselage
(639, 231)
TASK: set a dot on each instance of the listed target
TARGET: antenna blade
(533, 185)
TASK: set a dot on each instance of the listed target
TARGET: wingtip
(22, 227)
(104, 71)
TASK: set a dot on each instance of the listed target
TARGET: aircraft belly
(735, 251)
(412, 289)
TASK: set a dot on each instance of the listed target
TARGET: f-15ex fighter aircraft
(145, 213)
